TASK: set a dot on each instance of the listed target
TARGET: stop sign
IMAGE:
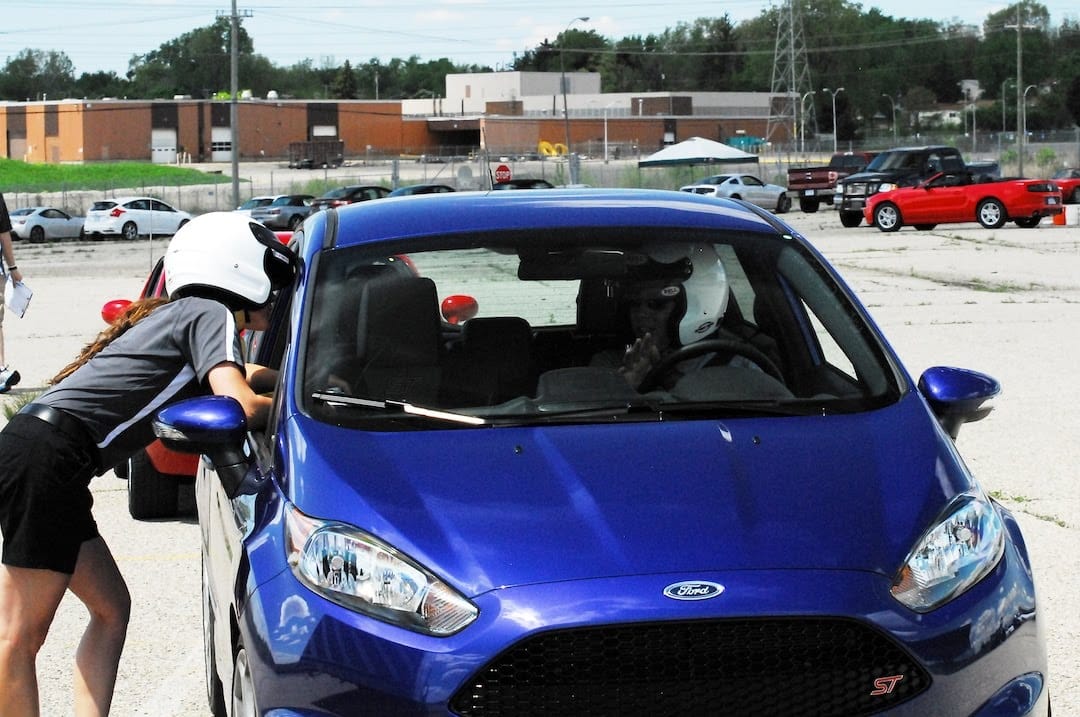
(502, 174)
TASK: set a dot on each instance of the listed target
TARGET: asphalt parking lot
(1006, 302)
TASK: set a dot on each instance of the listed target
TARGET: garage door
(163, 146)
(220, 144)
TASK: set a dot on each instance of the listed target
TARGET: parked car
(421, 189)
(287, 212)
(900, 167)
(255, 202)
(957, 198)
(132, 217)
(1068, 181)
(348, 195)
(39, 224)
(743, 186)
(524, 183)
(448, 516)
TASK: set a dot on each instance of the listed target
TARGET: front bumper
(981, 654)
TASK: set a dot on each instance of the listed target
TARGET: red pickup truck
(814, 185)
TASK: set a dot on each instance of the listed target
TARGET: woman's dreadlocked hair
(133, 314)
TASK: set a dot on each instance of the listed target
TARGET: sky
(103, 36)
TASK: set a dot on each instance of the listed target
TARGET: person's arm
(9, 256)
(226, 379)
(260, 378)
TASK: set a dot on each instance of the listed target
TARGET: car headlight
(956, 553)
(887, 186)
(358, 571)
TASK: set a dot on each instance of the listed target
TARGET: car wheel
(243, 689)
(887, 217)
(215, 691)
(37, 235)
(295, 221)
(783, 204)
(850, 219)
(991, 213)
(925, 227)
(130, 231)
(1027, 222)
(151, 494)
(1076, 196)
(809, 205)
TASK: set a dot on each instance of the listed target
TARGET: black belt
(65, 422)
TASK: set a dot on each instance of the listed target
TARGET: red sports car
(956, 198)
(1068, 181)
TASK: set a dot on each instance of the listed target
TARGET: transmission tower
(790, 78)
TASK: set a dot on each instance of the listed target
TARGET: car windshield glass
(523, 327)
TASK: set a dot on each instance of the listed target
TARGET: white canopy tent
(697, 150)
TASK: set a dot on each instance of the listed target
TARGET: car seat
(397, 341)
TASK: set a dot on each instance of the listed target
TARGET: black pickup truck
(900, 167)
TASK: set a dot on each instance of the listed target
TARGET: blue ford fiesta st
(598, 453)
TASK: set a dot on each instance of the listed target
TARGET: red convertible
(1068, 181)
(956, 198)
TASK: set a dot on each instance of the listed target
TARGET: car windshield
(21, 212)
(102, 206)
(524, 327)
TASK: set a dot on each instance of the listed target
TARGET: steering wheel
(685, 353)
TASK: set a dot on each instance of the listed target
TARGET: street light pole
(892, 102)
(802, 121)
(566, 112)
(1023, 113)
(834, 93)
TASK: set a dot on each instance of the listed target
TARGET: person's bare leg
(28, 602)
(98, 583)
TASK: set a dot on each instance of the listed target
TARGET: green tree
(197, 63)
(344, 85)
(37, 74)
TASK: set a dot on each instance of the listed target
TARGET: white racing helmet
(704, 292)
(228, 257)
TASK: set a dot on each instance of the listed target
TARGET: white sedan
(746, 187)
(132, 217)
(41, 223)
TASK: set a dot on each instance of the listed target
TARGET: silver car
(132, 217)
(41, 223)
(746, 187)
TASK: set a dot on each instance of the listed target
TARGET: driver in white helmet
(222, 270)
(680, 307)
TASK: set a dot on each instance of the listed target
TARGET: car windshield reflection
(595, 326)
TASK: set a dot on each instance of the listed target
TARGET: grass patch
(66, 177)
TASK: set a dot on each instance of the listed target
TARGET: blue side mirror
(216, 427)
(958, 396)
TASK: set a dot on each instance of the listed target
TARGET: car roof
(465, 212)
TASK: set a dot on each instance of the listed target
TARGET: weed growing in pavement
(1020, 500)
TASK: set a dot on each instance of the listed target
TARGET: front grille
(794, 666)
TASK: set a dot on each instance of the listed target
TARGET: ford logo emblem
(693, 590)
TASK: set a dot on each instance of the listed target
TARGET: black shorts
(45, 498)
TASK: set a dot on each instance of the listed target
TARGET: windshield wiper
(760, 407)
(333, 397)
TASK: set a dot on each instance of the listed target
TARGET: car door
(753, 191)
(138, 211)
(59, 225)
(941, 199)
(163, 218)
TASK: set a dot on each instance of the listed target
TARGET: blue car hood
(504, 506)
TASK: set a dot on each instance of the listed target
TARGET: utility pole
(234, 83)
(1020, 138)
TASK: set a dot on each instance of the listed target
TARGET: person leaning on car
(222, 272)
(8, 376)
